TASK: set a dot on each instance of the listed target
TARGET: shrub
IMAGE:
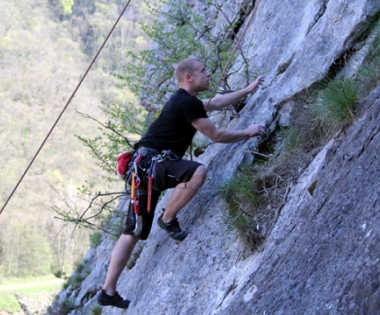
(244, 207)
(76, 278)
(68, 304)
(96, 310)
(336, 104)
(68, 283)
(95, 239)
(80, 268)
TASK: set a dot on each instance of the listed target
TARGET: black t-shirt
(173, 130)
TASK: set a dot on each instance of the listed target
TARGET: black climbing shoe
(112, 300)
(172, 228)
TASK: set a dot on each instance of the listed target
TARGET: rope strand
(65, 107)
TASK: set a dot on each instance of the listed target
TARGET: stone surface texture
(322, 256)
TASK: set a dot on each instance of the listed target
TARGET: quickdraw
(135, 196)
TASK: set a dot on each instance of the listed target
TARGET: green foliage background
(45, 47)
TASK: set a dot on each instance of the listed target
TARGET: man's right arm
(223, 100)
(208, 128)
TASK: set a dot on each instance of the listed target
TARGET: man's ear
(188, 78)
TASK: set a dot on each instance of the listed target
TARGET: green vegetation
(38, 288)
(188, 35)
(9, 303)
(96, 310)
(337, 100)
(42, 57)
(95, 239)
(256, 193)
(336, 104)
(67, 305)
(76, 279)
(25, 256)
(244, 214)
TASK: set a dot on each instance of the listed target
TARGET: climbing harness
(141, 180)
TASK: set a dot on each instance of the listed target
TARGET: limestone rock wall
(322, 256)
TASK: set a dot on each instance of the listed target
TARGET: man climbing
(174, 130)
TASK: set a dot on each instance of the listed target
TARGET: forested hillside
(45, 48)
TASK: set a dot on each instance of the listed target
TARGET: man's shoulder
(187, 97)
(182, 97)
(182, 93)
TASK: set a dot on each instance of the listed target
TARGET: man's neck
(189, 90)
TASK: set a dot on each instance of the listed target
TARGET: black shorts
(169, 174)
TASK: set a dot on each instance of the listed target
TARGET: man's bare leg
(119, 258)
(183, 193)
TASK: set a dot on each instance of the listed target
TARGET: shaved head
(186, 66)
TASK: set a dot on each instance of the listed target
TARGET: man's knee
(200, 173)
(202, 170)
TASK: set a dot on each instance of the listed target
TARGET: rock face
(322, 256)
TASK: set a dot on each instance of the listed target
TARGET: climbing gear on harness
(138, 169)
(148, 174)
(135, 195)
(112, 300)
(147, 151)
(152, 172)
(172, 228)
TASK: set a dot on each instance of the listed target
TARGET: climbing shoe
(112, 300)
(172, 228)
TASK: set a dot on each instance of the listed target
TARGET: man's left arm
(223, 100)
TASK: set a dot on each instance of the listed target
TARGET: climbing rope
(233, 52)
(63, 110)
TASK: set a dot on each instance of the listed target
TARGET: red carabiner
(150, 186)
